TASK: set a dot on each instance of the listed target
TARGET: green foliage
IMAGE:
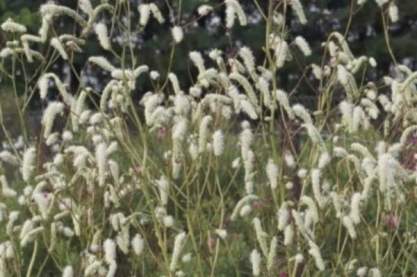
(97, 176)
(21, 11)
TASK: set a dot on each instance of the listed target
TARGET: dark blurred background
(153, 44)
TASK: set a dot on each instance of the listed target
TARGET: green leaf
(25, 17)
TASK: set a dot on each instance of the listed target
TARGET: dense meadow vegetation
(214, 170)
